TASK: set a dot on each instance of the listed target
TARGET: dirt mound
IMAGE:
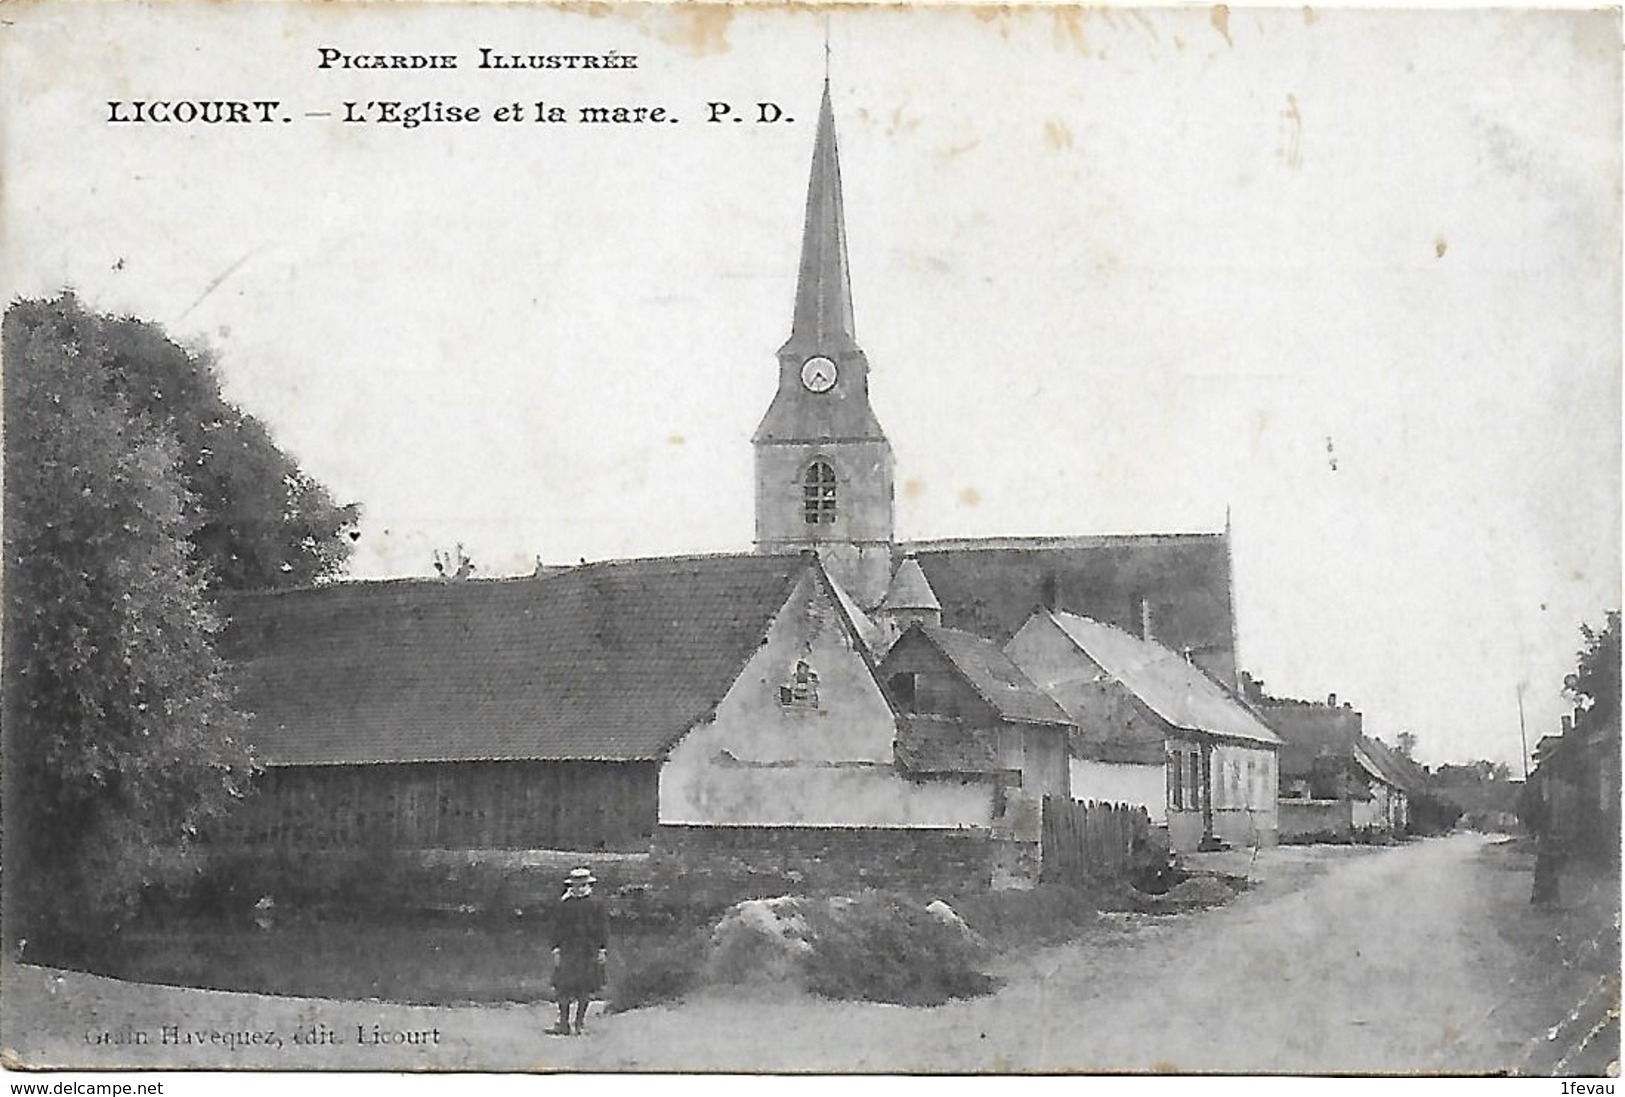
(1198, 891)
(760, 940)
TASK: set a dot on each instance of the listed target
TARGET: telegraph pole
(1523, 733)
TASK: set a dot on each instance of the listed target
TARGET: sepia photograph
(761, 539)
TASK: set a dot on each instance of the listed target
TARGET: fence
(1093, 841)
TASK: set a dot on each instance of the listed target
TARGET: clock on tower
(823, 465)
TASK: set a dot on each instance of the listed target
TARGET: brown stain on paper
(1440, 246)
(913, 488)
(1221, 21)
(969, 497)
(700, 30)
(1069, 30)
(1056, 135)
(1291, 150)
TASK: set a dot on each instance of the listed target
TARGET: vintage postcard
(903, 540)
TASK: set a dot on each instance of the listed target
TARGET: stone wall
(1300, 818)
(744, 861)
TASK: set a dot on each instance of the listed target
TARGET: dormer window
(802, 689)
(818, 494)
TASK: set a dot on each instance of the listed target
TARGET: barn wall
(453, 805)
(760, 762)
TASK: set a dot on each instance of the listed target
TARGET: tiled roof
(1393, 767)
(1172, 688)
(1124, 735)
(995, 678)
(910, 589)
(1309, 730)
(990, 586)
(611, 661)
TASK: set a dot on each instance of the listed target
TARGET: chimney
(1331, 700)
(1568, 724)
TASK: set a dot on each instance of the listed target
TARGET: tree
(1594, 685)
(1405, 744)
(121, 740)
(260, 521)
(454, 565)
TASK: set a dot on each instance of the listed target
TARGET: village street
(1340, 959)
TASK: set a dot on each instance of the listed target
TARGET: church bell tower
(823, 465)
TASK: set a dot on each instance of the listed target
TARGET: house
(621, 706)
(1335, 780)
(1154, 729)
(1576, 782)
(1394, 781)
(955, 679)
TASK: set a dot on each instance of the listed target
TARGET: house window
(1176, 781)
(1253, 795)
(1195, 798)
(818, 494)
(902, 690)
(801, 691)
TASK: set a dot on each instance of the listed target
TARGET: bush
(650, 970)
(357, 880)
(880, 949)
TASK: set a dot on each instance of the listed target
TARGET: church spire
(823, 316)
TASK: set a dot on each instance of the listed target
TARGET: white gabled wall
(760, 763)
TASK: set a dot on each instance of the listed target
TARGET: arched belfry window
(818, 494)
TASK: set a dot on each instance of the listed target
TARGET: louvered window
(818, 494)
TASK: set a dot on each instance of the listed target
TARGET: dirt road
(1356, 960)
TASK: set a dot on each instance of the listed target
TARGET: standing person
(580, 944)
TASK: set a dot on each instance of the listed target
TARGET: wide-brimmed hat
(581, 875)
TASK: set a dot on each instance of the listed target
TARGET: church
(836, 696)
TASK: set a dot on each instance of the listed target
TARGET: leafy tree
(260, 521)
(121, 740)
(1594, 685)
(454, 565)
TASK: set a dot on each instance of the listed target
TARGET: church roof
(997, 680)
(1172, 688)
(990, 586)
(910, 589)
(823, 314)
(822, 321)
(610, 661)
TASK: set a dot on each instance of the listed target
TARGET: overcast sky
(1353, 276)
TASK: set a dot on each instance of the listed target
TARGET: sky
(1351, 279)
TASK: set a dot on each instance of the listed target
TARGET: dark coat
(580, 929)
